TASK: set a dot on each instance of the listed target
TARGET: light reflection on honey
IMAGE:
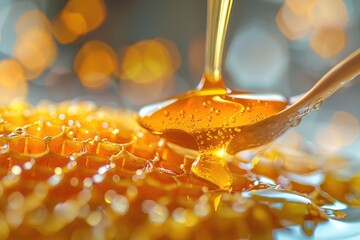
(76, 171)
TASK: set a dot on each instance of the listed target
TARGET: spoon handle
(269, 129)
(332, 81)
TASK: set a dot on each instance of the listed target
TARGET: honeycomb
(74, 170)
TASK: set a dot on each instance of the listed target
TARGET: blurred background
(130, 53)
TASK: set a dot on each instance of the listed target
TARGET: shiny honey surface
(207, 120)
(77, 171)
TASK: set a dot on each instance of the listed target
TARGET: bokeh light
(12, 81)
(34, 47)
(328, 42)
(149, 60)
(138, 94)
(32, 19)
(300, 7)
(342, 130)
(293, 26)
(74, 22)
(251, 62)
(147, 70)
(330, 14)
(36, 51)
(94, 64)
(18, 92)
(325, 21)
(11, 73)
(78, 17)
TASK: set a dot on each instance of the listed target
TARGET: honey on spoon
(215, 120)
(209, 117)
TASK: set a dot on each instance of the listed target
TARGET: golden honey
(77, 171)
(207, 120)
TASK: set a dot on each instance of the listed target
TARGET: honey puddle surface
(78, 171)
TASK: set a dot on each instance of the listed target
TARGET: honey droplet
(295, 122)
(317, 105)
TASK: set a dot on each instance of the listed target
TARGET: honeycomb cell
(28, 145)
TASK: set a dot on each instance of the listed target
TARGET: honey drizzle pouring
(208, 118)
(217, 22)
(211, 156)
